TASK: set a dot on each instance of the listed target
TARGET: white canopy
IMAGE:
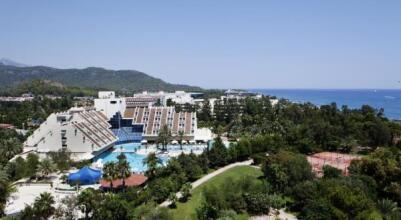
(174, 142)
(144, 142)
(192, 142)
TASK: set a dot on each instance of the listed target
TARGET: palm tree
(173, 200)
(6, 189)
(186, 191)
(164, 137)
(10, 147)
(387, 208)
(43, 206)
(181, 137)
(123, 168)
(45, 167)
(152, 161)
(110, 173)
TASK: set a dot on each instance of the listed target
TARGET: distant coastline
(388, 99)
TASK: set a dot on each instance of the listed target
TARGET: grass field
(187, 211)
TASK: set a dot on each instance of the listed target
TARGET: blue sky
(216, 43)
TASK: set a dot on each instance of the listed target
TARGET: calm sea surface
(389, 100)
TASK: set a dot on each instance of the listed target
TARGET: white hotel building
(85, 133)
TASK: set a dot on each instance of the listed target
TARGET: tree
(45, 167)
(32, 163)
(89, 201)
(257, 203)
(10, 147)
(20, 168)
(286, 169)
(158, 103)
(67, 208)
(169, 102)
(205, 113)
(42, 207)
(218, 155)
(124, 169)
(164, 137)
(186, 191)
(331, 172)
(383, 166)
(181, 137)
(62, 159)
(6, 189)
(161, 188)
(110, 172)
(152, 162)
(173, 200)
(387, 208)
(112, 207)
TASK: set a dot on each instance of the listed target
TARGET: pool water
(136, 160)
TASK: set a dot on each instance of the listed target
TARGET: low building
(85, 133)
(132, 102)
(131, 181)
(6, 126)
(151, 119)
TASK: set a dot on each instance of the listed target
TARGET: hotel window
(75, 131)
(83, 139)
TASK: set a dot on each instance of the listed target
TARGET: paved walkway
(208, 177)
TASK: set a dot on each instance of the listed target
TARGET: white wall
(75, 142)
(106, 94)
(111, 106)
(48, 136)
(203, 134)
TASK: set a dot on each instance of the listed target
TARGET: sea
(389, 100)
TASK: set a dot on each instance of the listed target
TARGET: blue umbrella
(85, 176)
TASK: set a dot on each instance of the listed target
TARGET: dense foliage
(277, 137)
(305, 127)
(92, 77)
(45, 88)
(24, 114)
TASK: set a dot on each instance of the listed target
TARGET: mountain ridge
(91, 77)
(8, 62)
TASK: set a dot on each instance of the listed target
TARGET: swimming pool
(135, 160)
(136, 153)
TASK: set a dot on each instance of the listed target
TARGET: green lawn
(187, 211)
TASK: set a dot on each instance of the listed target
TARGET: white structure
(148, 118)
(179, 97)
(203, 135)
(152, 119)
(84, 133)
(106, 94)
(108, 104)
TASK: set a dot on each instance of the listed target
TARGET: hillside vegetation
(92, 77)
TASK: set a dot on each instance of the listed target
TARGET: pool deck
(28, 192)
